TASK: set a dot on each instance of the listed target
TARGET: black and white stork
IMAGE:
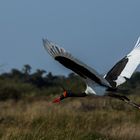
(96, 84)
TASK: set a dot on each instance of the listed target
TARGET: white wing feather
(133, 61)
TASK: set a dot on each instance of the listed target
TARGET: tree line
(25, 83)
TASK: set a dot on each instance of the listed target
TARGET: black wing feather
(67, 60)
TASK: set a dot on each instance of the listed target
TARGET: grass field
(90, 118)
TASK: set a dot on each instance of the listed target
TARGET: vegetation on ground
(27, 111)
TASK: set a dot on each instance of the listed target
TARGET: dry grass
(74, 119)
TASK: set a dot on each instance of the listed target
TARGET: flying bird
(96, 84)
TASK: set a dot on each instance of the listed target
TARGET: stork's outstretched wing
(124, 69)
(72, 63)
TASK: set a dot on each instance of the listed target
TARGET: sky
(98, 32)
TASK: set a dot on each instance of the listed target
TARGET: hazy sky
(98, 32)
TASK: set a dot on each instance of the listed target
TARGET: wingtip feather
(137, 45)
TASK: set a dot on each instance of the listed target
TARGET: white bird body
(96, 84)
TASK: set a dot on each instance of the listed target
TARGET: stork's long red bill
(58, 99)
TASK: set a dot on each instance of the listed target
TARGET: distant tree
(40, 72)
(26, 69)
(37, 78)
(52, 80)
(50, 77)
(71, 75)
(15, 72)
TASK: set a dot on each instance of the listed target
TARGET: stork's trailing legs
(125, 99)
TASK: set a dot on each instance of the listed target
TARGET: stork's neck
(72, 94)
(69, 94)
